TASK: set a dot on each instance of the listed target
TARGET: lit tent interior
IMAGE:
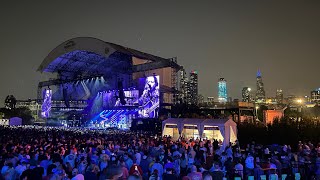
(224, 130)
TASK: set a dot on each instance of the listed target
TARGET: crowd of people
(48, 153)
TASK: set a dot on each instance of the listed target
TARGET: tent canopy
(211, 122)
(219, 122)
(227, 127)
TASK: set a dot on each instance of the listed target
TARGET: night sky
(230, 40)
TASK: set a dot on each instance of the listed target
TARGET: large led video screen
(149, 97)
(46, 105)
(111, 99)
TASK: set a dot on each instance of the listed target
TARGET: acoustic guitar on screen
(147, 111)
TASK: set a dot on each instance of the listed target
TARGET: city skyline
(253, 90)
(230, 40)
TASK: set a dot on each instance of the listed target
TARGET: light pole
(299, 101)
(249, 95)
(257, 107)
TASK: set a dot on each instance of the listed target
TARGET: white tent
(4, 122)
(172, 127)
(220, 129)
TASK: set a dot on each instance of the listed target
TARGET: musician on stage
(149, 100)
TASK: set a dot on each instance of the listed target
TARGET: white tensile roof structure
(227, 128)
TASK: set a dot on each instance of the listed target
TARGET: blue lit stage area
(104, 85)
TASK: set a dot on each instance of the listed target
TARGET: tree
(23, 112)
(282, 131)
(8, 113)
(1, 115)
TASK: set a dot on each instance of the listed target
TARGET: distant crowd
(47, 153)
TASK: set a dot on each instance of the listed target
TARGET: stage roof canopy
(88, 56)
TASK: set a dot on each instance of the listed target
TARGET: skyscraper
(246, 96)
(193, 88)
(260, 94)
(188, 92)
(183, 86)
(222, 90)
(279, 96)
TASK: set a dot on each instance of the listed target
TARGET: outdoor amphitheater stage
(104, 85)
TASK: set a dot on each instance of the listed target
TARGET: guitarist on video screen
(149, 99)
